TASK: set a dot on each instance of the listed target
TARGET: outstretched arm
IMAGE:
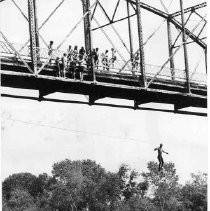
(155, 149)
(165, 152)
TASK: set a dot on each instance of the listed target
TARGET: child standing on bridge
(69, 55)
(50, 50)
(57, 67)
(81, 66)
(96, 59)
(64, 65)
(105, 61)
(113, 58)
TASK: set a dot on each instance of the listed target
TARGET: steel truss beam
(141, 44)
(161, 14)
(130, 34)
(180, 30)
(121, 19)
(16, 52)
(185, 47)
(42, 26)
(115, 10)
(170, 49)
(87, 34)
(172, 20)
(32, 32)
(189, 9)
(176, 46)
(150, 82)
(114, 29)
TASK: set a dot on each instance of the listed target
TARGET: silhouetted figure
(82, 51)
(136, 61)
(81, 66)
(96, 59)
(57, 67)
(69, 55)
(64, 65)
(113, 58)
(75, 53)
(72, 69)
(104, 60)
(50, 50)
(160, 158)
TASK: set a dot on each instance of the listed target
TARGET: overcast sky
(41, 133)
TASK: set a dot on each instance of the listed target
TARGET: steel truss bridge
(28, 67)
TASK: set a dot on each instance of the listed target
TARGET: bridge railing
(112, 67)
(24, 51)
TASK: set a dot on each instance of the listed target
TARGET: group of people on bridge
(75, 60)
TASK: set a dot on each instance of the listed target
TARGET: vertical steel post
(170, 49)
(205, 51)
(130, 34)
(87, 34)
(36, 30)
(141, 45)
(32, 35)
(185, 47)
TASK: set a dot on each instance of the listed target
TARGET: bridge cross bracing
(32, 67)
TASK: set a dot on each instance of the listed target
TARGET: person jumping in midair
(160, 158)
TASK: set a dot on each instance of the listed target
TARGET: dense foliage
(85, 185)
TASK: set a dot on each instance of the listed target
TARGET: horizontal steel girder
(172, 20)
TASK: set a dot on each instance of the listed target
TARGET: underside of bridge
(106, 85)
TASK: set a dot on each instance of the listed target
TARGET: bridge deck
(109, 84)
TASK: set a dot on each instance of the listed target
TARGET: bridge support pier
(179, 106)
(94, 95)
(145, 98)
